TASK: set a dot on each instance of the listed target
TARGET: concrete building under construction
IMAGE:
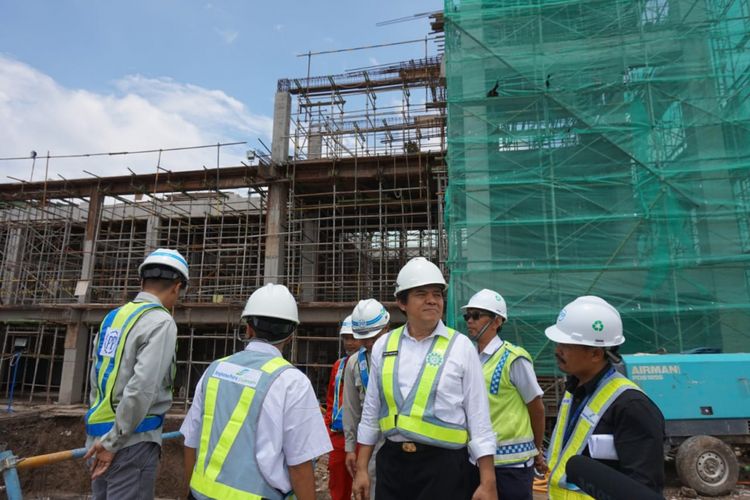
(351, 189)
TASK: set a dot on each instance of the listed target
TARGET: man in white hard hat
(339, 479)
(516, 406)
(131, 382)
(370, 320)
(427, 397)
(255, 426)
(603, 415)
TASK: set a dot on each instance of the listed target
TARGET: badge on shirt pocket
(434, 359)
(109, 346)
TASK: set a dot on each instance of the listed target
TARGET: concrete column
(74, 363)
(278, 192)
(83, 290)
(309, 271)
(314, 143)
(76, 336)
(12, 264)
(153, 224)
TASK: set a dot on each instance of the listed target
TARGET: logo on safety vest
(237, 374)
(111, 340)
(598, 326)
(434, 359)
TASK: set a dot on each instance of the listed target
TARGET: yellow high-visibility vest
(508, 411)
(108, 350)
(415, 417)
(226, 467)
(609, 389)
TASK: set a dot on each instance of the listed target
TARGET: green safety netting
(601, 147)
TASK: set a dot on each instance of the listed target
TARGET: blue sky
(83, 76)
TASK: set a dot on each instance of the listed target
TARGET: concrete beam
(311, 313)
(171, 182)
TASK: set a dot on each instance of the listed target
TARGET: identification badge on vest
(390, 353)
(237, 374)
(111, 340)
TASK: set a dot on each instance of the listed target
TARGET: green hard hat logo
(598, 326)
(497, 297)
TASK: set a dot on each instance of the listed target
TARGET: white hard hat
(346, 326)
(166, 257)
(588, 320)
(419, 272)
(487, 300)
(368, 318)
(272, 301)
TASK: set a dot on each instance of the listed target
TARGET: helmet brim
(366, 335)
(444, 286)
(556, 335)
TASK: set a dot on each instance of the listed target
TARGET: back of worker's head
(271, 313)
(164, 273)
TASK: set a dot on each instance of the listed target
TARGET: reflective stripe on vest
(226, 466)
(607, 392)
(109, 347)
(364, 368)
(508, 412)
(414, 417)
(337, 411)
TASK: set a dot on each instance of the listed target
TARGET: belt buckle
(408, 447)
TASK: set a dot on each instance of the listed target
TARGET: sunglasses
(475, 315)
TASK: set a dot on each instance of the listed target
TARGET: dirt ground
(39, 430)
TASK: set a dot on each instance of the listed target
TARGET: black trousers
(513, 483)
(429, 473)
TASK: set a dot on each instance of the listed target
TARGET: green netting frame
(612, 161)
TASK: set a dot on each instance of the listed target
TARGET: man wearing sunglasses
(516, 407)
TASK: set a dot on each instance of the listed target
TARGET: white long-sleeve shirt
(461, 397)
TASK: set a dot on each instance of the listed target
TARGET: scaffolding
(347, 238)
(600, 147)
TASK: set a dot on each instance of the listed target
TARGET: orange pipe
(50, 458)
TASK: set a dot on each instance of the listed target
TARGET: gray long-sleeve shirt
(354, 399)
(144, 380)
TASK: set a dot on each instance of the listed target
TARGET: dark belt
(413, 447)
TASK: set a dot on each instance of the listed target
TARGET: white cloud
(37, 113)
(229, 36)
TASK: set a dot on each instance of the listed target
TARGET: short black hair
(403, 296)
(160, 277)
(271, 329)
